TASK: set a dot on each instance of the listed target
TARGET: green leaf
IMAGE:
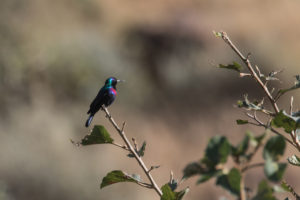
(206, 176)
(217, 150)
(283, 120)
(274, 171)
(168, 194)
(230, 181)
(285, 186)
(241, 121)
(241, 148)
(294, 160)
(179, 195)
(264, 192)
(235, 66)
(274, 148)
(117, 176)
(192, 169)
(99, 135)
(254, 141)
(217, 34)
(250, 105)
(296, 86)
(140, 152)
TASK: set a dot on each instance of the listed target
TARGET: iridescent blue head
(111, 82)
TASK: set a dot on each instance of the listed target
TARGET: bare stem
(251, 69)
(132, 150)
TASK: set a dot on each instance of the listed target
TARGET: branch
(132, 150)
(250, 68)
(260, 123)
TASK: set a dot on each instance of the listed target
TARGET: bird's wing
(98, 101)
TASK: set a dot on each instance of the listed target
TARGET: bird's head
(112, 82)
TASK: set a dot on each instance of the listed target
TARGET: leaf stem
(131, 149)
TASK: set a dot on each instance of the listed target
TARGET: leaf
(168, 194)
(274, 148)
(173, 184)
(230, 181)
(264, 192)
(254, 141)
(205, 177)
(202, 168)
(235, 66)
(140, 152)
(274, 171)
(286, 187)
(250, 105)
(296, 86)
(241, 121)
(117, 176)
(179, 195)
(192, 169)
(217, 150)
(294, 160)
(99, 135)
(241, 148)
(217, 34)
(288, 122)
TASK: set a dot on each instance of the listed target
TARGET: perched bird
(105, 96)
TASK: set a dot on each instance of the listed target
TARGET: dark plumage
(105, 96)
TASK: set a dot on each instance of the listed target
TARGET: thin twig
(291, 105)
(250, 68)
(252, 166)
(121, 146)
(295, 140)
(132, 150)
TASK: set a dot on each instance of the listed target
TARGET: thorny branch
(251, 69)
(130, 148)
(272, 99)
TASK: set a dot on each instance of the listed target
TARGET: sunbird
(106, 96)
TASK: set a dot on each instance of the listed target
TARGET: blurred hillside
(55, 55)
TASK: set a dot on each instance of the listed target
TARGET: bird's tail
(89, 120)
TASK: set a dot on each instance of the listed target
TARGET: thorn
(123, 126)
(248, 56)
(153, 167)
(135, 144)
(75, 143)
(244, 74)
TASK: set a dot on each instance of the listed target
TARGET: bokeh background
(55, 55)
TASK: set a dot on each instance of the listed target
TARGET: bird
(106, 96)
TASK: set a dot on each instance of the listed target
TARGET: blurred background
(55, 55)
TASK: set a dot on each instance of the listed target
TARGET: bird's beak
(120, 80)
